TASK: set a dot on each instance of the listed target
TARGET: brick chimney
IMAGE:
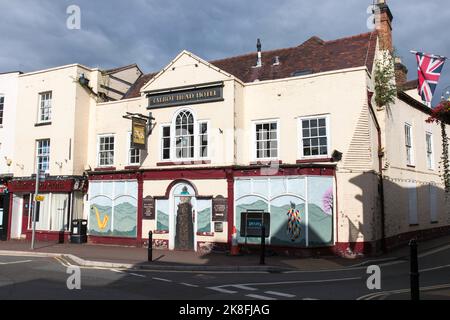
(384, 25)
(401, 72)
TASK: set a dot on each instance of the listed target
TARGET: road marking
(242, 287)
(372, 296)
(256, 296)
(221, 290)
(426, 254)
(289, 282)
(275, 293)
(310, 299)
(435, 268)
(15, 262)
(116, 271)
(161, 279)
(189, 285)
(370, 262)
(137, 275)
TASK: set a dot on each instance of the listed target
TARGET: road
(29, 277)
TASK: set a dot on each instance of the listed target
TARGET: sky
(34, 34)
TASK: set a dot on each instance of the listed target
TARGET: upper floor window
(314, 137)
(430, 156)
(266, 143)
(185, 138)
(106, 150)
(45, 106)
(184, 135)
(43, 155)
(2, 104)
(134, 155)
(409, 144)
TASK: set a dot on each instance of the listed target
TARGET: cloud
(152, 32)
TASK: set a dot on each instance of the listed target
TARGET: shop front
(62, 201)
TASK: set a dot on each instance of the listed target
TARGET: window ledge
(411, 166)
(311, 160)
(105, 169)
(160, 232)
(41, 124)
(205, 234)
(184, 163)
(132, 167)
(265, 162)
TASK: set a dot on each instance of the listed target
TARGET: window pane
(305, 133)
(305, 124)
(322, 122)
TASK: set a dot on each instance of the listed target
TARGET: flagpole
(430, 55)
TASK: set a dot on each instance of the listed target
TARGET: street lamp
(40, 175)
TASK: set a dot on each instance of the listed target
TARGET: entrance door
(25, 213)
(184, 238)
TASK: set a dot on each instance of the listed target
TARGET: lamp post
(36, 203)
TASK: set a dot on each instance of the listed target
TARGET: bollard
(263, 246)
(150, 246)
(414, 271)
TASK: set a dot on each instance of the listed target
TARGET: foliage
(385, 89)
(441, 115)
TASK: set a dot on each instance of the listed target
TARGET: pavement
(137, 258)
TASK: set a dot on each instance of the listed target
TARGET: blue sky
(152, 32)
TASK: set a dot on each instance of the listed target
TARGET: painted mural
(204, 215)
(162, 215)
(297, 218)
(113, 208)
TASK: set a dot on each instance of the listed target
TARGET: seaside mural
(113, 208)
(296, 218)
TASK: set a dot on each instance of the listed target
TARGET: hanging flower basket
(441, 113)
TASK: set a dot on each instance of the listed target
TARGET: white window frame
(41, 94)
(38, 155)
(208, 139)
(300, 136)
(161, 142)
(196, 144)
(98, 150)
(129, 149)
(411, 147)
(2, 110)
(254, 151)
(430, 162)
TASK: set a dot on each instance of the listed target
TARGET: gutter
(380, 176)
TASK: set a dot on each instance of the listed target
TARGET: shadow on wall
(411, 208)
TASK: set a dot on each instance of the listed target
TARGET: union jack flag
(430, 68)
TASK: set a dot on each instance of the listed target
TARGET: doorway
(183, 220)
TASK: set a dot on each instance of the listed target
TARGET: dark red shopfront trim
(17, 186)
(207, 173)
(50, 236)
(115, 241)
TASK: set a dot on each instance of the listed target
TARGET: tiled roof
(313, 56)
(115, 70)
(410, 85)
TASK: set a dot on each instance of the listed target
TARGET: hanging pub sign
(186, 95)
(139, 134)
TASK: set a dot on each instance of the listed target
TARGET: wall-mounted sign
(139, 133)
(220, 208)
(252, 222)
(39, 198)
(183, 96)
(148, 204)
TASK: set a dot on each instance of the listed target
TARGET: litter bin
(79, 231)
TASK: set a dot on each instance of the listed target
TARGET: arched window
(184, 135)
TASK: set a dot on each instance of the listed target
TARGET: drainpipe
(380, 175)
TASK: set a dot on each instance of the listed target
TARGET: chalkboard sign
(252, 222)
(148, 211)
(220, 208)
